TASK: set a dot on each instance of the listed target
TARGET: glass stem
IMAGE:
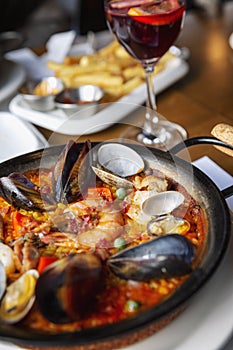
(151, 100)
(151, 118)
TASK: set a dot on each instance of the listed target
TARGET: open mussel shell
(71, 175)
(19, 298)
(66, 290)
(120, 160)
(162, 203)
(165, 257)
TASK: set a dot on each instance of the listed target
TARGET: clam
(20, 192)
(66, 290)
(164, 257)
(7, 258)
(120, 160)
(2, 279)
(162, 203)
(71, 176)
(111, 179)
(117, 162)
(19, 298)
(167, 224)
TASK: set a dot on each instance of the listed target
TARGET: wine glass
(147, 29)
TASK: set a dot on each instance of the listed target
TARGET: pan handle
(206, 140)
(222, 136)
(194, 141)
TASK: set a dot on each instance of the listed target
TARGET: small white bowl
(40, 94)
(84, 98)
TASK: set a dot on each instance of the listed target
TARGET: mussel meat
(164, 257)
(19, 298)
(66, 290)
(162, 203)
(17, 190)
(71, 173)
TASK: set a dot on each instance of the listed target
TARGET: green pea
(121, 193)
(119, 243)
(132, 305)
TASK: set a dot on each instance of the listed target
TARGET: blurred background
(38, 19)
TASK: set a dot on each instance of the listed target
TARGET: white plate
(57, 121)
(231, 40)
(12, 76)
(207, 323)
(18, 137)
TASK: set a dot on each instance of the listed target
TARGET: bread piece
(224, 132)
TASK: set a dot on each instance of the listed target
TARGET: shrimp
(93, 225)
(110, 226)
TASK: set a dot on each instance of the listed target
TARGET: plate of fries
(120, 76)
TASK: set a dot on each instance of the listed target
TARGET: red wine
(146, 32)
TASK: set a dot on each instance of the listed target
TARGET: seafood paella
(94, 239)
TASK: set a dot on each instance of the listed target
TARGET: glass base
(165, 136)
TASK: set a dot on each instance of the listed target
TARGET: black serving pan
(145, 323)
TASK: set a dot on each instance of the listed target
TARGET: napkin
(57, 47)
(219, 176)
(222, 180)
(231, 40)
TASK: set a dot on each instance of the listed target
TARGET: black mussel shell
(66, 290)
(164, 257)
(71, 174)
(20, 192)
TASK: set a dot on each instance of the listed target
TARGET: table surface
(203, 98)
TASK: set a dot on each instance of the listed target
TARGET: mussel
(164, 257)
(66, 289)
(71, 177)
(20, 192)
(19, 298)
(71, 174)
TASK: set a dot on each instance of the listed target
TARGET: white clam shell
(162, 203)
(19, 298)
(2, 279)
(7, 258)
(121, 160)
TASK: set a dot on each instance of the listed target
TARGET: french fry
(72, 60)
(109, 49)
(135, 71)
(110, 68)
(103, 80)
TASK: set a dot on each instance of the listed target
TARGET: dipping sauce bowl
(84, 98)
(40, 95)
